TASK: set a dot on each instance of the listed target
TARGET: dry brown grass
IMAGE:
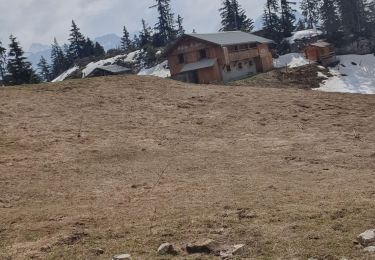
(290, 173)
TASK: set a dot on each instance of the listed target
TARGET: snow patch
(304, 34)
(291, 60)
(93, 65)
(354, 74)
(161, 70)
(66, 74)
(131, 57)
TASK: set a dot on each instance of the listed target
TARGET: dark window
(229, 68)
(181, 58)
(203, 54)
(240, 65)
(250, 63)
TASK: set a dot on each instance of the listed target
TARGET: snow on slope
(161, 70)
(93, 65)
(304, 34)
(354, 74)
(291, 60)
(66, 74)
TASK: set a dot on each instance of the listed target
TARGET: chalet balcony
(243, 54)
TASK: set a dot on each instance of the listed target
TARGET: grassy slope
(159, 160)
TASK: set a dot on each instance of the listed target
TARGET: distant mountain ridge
(109, 41)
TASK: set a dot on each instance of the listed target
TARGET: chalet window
(250, 63)
(181, 59)
(203, 54)
(240, 65)
(253, 45)
(229, 69)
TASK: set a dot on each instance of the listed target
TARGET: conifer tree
(271, 21)
(98, 50)
(19, 68)
(2, 62)
(288, 18)
(310, 11)
(234, 17)
(300, 25)
(145, 36)
(353, 17)
(44, 70)
(77, 42)
(330, 20)
(58, 58)
(126, 43)
(180, 27)
(165, 31)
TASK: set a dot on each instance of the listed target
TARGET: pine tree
(2, 62)
(310, 10)
(77, 42)
(58, 58)
(44, 70)
(371, 17)
(165, 31)
(88, 48)
(180, 27)
(271, 21)
(234, 17)
(288, 18)
(300, 25)
(126, 43)
(19, 68)
(330, 20)
(145, 36)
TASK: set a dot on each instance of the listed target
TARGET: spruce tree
(77, 42)
(165, 31)
(145, 36)
(88, 48)
(2, 62)
(44, 70)
(353, 17)
(58, 58)
(330, 20)
(234, 17)
(18, 67)
(310, 11)
(126, 42)
(288, 18)
(271, 21)
(180, 27)
(99, 50)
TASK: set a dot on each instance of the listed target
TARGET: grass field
(126, 163)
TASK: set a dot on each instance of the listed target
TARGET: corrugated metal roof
(205, 63)
(114, 68)
(230, 38)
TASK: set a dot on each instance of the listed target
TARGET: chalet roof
(205, 63)
(114, 68)
(222, 39)
(229, 38)
(321, 44)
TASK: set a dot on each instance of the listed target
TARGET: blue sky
(42, 20)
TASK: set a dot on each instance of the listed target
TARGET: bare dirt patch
(125, 164)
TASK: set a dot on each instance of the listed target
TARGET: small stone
(122, 257)
(367, 238)
(207, 247)
(369, 249)
(166, 249)
(238, 249)
(98, 251)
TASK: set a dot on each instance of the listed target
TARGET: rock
(122, 257)
(98, 251)
(238, 249)
(207, 247)
(166, 249)
(369, 249)
(367, 238)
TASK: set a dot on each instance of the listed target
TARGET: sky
(39, 21)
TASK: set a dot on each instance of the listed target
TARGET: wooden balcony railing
(242, 55)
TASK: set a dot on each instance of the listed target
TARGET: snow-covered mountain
(109, 41)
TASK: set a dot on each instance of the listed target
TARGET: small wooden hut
(321, 52)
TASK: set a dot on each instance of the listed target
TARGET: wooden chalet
(218, 57)
(321, 52)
